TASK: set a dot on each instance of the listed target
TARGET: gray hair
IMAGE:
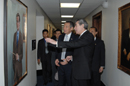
(82, 21)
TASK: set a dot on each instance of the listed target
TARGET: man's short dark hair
(59, 30)
(71, 23)
(45, 30)
(82, 21)
(17, 15)
(94, 28)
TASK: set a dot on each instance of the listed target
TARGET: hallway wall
(112, 76)
(33, 7)
(30, 79)
(1, 43)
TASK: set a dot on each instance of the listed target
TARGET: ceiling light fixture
(69, 5)
(63, 21)
(67, 16)
(62, 24)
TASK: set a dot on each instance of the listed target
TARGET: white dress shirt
(82, 33)
(66, 38)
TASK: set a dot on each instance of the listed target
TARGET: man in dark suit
(83, 53)
(125, 47)
(17, 51)
(44, 56)
(58, 32)
(64, 70)
(98, 62)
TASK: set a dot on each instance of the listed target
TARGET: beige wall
(112, 76)
(33, 7)
(1, 43)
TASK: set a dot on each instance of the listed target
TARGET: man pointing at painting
(83, 53)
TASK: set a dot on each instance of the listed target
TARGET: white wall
(1, 43)
(112, 76)
(39, 28)
(33, 7)
(30, 79)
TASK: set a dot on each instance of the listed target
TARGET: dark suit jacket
(69, 51)
(82, 57)
(125, 45)
(41, 49)
(99, 55)
(17, 65)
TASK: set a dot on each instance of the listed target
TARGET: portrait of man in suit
(124, 39)
(125, 47)
(98, 61)
(83, 53)
(17, 50)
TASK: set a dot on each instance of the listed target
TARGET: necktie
(46, 49)
(64, 49)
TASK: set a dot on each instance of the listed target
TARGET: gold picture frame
(123, 45)
(15, 40)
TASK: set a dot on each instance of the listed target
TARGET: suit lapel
(84, 33)
(63, 37)
(71, 37)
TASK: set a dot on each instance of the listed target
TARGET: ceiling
(54, 12)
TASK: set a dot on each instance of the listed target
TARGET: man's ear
(96, 33)
(82, 25)
(72, 28)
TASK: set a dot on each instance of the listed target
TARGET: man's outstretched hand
(49, 40)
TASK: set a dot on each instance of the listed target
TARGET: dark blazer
(17, 65)
(69, 51)
(82, 57)
(125, 45)
(41, 49)
(99, 55)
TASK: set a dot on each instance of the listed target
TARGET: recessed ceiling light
(62, 24)
(67, 16)
(69, 5)
(63, 21)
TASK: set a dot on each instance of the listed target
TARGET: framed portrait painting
(124, 38)
(15, 35)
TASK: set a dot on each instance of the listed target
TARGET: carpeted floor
(40, 81)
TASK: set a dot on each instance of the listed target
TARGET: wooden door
(97, 22)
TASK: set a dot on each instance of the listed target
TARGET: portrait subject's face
(17, 22)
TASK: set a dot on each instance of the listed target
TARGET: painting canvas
(16, 42)
(124, 39)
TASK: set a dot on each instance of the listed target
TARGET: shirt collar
(17, 31)
(82, 33)
(95, 38)
(68, 34)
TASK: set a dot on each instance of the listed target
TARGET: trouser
(54, 70)
(80, 82)
(64, 75)
(46, 68)
(95, 78)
